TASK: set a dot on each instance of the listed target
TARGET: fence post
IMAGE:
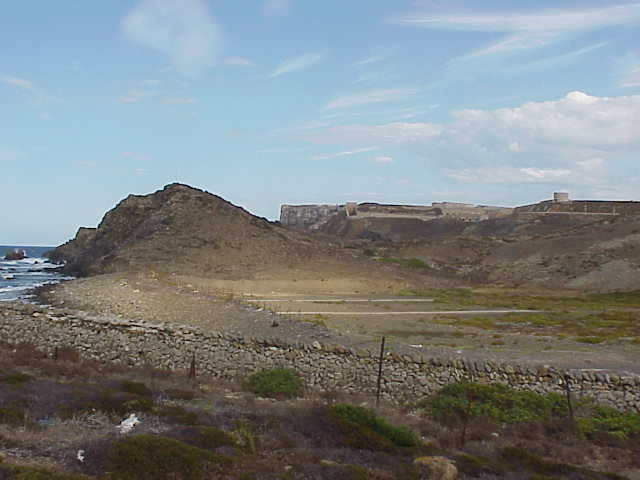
(192, 367)
(567, 390)
(380, 371)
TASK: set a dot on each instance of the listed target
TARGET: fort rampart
(325, 367)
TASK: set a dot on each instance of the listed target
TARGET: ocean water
(18, 277)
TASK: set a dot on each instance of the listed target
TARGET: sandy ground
(250, 309)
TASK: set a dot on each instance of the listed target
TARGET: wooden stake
(380, 371)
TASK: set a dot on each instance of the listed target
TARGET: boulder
(436, 468)
(15, 255)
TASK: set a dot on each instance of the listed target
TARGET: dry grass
(72, 404)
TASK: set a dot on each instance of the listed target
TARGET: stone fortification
(304, 217)
(314, 217)
(324, 367)
(562, 204)
(581, 207)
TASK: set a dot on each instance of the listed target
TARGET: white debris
(80, 455)
(128, 423)
(419, 345)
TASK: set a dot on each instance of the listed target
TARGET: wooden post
(192, 367)
(380, 371)
(567, 390)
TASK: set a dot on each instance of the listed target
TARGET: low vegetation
(275, 383)
(51, 410)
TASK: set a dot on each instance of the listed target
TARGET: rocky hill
(182, 229)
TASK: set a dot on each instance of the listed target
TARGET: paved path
(342, 300)
(430, 312)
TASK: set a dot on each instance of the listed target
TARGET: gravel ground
(195, 301)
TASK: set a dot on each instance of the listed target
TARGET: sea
(19, 277)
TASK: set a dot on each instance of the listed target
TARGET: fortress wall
(324, 367)
(304, 216)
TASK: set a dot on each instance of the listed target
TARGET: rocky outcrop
(16, 255)
(181, 229)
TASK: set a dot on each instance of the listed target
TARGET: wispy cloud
(629, 71)
(277, 7)
(17, 82)
(8, 154)
(370, 59)
(180, 101)
(550, 21)
(344, 154)
(238, 62)
(369, 97)
(135, 96)
(553, 61)
(574, 140)
(184, 31)
(527, 30)
(297, 63)
(39, 96)
(383, 159)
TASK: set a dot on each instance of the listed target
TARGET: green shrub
(15, 472)
(275, 383)
(137, 388)
(367, 427)
(149, 457)
(495, 401)
(611, 421)
(12, 416)
(16, 378)
(177, 414)
(407, 262)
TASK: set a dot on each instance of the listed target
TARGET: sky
(266, 102)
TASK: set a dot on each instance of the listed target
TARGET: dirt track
(188, 300)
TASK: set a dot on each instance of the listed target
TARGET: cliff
(180, 229)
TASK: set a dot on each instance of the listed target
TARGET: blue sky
(288, 101)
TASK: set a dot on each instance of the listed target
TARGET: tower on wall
(561, 197)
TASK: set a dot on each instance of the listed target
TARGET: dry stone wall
(325, 367)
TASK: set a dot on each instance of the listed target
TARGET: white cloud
(370, 59)
(39, 96)
(17, 82)
(344, 154)
(527, 30)
(180, 101)
(371, 96)
(632, 78)
(9, 154)
(297, 63)
(184, 31)
(549, 21)
(135, 96)
(382, 159)
(238, 62)
(277, 7)
(389, 134)
(137, 157)
(508, 174)
(579, 139)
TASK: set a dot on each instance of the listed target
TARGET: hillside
(185, 228)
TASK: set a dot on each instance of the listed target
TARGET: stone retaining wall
(325, 367)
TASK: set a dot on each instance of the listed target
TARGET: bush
(137, 388)
(12, 416)
(611, 421)
(16, 378)
(149, 457)
(369, 430)
(208, 438)
(275, 383)
(177, 414)
(496, 401)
